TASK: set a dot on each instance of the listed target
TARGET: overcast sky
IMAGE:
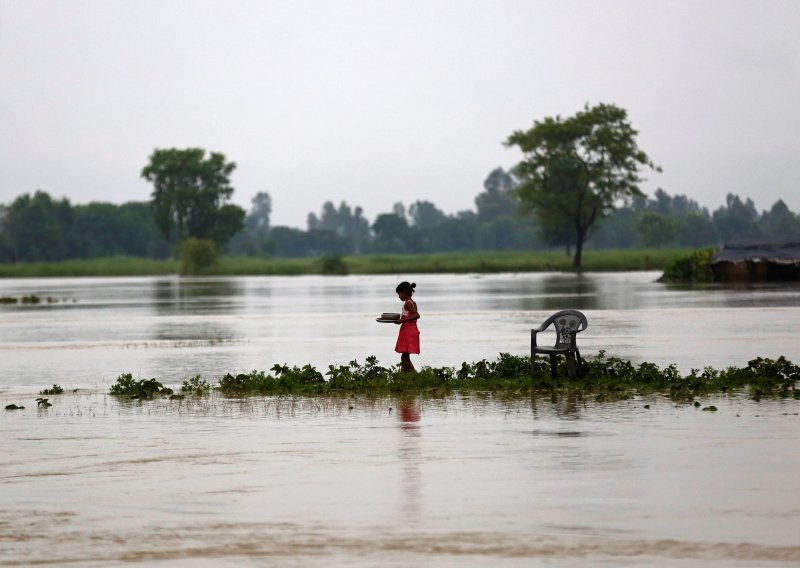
(375, 102)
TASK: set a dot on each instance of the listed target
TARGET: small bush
(693, 268)
(126, 385)
(55, 390)
(334, 264)
(197, 255)
(196, 385)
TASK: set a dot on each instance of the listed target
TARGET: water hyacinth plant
(126, 385)
(197, 385)
(602, 377)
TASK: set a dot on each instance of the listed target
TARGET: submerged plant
(126, 385)
(196, 385)
(55, 390)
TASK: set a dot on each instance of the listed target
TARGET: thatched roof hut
(758, 259)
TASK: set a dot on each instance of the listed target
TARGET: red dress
(408, 338)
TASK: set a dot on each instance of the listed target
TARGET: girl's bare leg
(405, 363)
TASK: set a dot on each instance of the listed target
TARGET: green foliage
(695, 267)
(111, 266)
(575, 170)
(334, 264)
(285, 380)
(604, 378)
(656, 229)
(126, 385)
(737, 218)
(190, 194)
(37, 228)
(196, 385)
(55, 390)
(197, 256)
(40, 229)
(765, 377)
(456, 262)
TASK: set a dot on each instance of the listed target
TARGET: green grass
(108, 266)
(602, 378)
(461, 262)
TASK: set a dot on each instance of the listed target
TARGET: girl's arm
(413, 314)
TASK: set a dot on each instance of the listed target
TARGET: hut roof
(777, 250)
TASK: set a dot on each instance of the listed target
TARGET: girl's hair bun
(413, 284)
(406, 287)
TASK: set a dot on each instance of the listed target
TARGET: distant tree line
(39, 228)
(577, 185)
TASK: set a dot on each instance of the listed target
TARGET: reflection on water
(197, 296)
(408, 414)
(383, 482)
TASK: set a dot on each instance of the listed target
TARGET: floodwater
(456, 481)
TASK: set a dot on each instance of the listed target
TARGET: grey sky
(375, 102)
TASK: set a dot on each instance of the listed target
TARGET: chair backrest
(566, 323)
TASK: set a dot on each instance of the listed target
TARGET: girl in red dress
(408, 338)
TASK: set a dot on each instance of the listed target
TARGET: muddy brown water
(462, 480)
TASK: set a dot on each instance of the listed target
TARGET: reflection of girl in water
(408, 338)
(410, 454)
(409, 411)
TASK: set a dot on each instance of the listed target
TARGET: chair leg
(553, 366)
(570, 357)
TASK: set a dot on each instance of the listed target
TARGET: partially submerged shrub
(197, 255)
(286, 380)
(693, 268)
(126, 385)
(196, 385)
(55, 390)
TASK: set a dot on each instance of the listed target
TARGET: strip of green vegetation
(109, 266)
(604, 378)
(461, 262)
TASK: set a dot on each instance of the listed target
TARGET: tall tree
(737, 218)
(425, 215)
(391, 233)
(38, 228)
(656, 229)
(498, 198)
(779, 221)
(190, 194)
(575, 170)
